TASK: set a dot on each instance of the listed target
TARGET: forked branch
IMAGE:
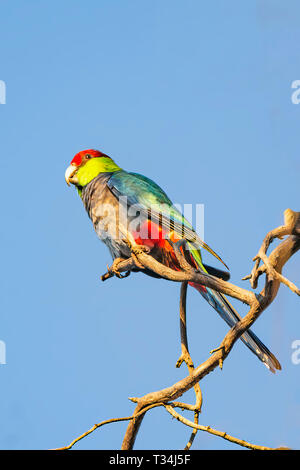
(258, 302)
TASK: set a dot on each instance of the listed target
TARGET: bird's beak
(69, 174)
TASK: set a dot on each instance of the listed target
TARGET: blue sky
(197, 96)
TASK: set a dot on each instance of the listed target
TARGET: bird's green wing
(154, 204)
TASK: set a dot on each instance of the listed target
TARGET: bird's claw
(136, 250)
(113, 271)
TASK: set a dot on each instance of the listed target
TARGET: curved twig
(103, 423)
(272, 268)
(215, 432)
(257, 303)
(185, 357)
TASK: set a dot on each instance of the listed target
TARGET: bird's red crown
(77, 160)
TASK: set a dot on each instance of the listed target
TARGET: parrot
(113, 197)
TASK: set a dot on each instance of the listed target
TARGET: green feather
(93, 168)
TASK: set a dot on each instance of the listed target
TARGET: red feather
(77, 160)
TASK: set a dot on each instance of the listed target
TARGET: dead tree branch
(272, 266)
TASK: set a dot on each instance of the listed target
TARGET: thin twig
(103, 423)
(215, 432)
(185, 357)
(272, 267)
(257, 302)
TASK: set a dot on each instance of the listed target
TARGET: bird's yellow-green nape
(93, 168)
(86, 165)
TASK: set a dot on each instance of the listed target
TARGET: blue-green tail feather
(231, 317)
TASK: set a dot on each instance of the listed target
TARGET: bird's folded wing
(154, 204)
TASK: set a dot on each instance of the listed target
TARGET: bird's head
(88, 164)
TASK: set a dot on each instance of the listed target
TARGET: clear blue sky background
(197, 96)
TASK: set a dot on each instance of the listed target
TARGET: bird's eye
(88, 156)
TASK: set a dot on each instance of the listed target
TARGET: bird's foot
(140, 249)
(113, 270)
(136, 250)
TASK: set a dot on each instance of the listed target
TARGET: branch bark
(257, 303)
(271, 267)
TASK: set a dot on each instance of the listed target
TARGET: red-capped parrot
(113, 197)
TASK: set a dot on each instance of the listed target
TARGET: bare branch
(103, 423)
(291, 227)
(210, 430)
(272, 268)
(185, 357)
(257, 303)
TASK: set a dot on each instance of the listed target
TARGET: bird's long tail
(231, 317)
(227, 312)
